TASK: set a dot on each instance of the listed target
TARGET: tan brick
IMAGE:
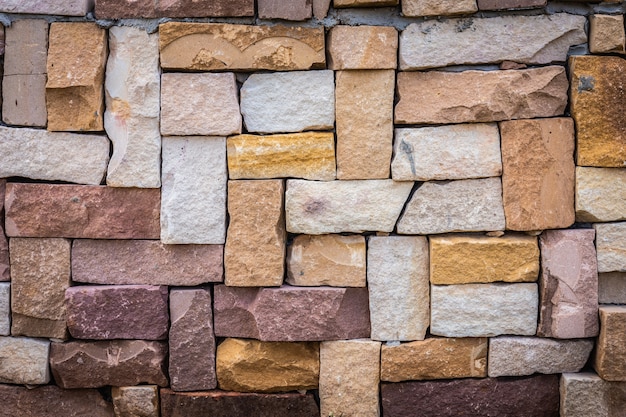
(606, 34)
(362, 47)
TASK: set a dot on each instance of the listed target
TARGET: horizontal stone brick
(292, 10)
(611, 246)
(362, 47)
(509, 4)
(24, 361)
(364, 3)
(438, 7)
(612, 288)
(54, 7)
(600, 194)
(76, 211)
(139, 401)
(125, 9)
(586, 394)
(610, 354)
(606, 34)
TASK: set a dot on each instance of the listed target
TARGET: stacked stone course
(298, 208)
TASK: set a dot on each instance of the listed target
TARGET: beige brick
(362, 47)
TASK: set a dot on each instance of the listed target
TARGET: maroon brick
(5, 268)
(205, 8)
(121, 9)
(510, 4)
(287, 10)
(82, 211)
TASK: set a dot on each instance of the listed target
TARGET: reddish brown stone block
(5, 268)
(205, 8)
(286, 10)
(509, 4)
(123, 9)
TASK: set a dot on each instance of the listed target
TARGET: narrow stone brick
(610, 355)
(125, 9)
(292, 10)
(600, 194)
(257, 225)
(509, 4)
(585, 394)
(568, 285)
(205, 8)
(24, 361)
(606, 34)
(362, 47)
(611, 246)
(364, 3)
(79, 211)
(438, 7)
(140, 401)
(5, 263)
(53, 7)
(5, 309)
(612, 288)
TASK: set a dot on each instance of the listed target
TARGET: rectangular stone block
(397, 278)
(438, 97)
(568, 285)
(364, 3)
(5, 264)
(292, 10)
(585, 394)
(40, 274)
(24, 100)
(438, 7)
(483, 310)
(611, 246)
(610, 355)
(606, 34)
(193, 193)
(509, 4)
(288, 313)
(256, 225)
(362, 47)
(205, 8)
(600, 194)
(191, 340)
(364, 112)
(309, 155)
(77, 55)
(434, 358)
(612, 288)
(140, 401)
(24, 361)
(148, 262)
(54, 7)
(78, 211)
(5, 309)
(217, 46)
(124, 9)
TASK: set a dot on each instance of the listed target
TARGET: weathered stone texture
(277, 9)
(362, 47)
(397, 278)
(320, 8)
(434, 358)
(611, 246)
(24, 361)
(509, 4)
(466, 259)
(140, 401)
(5, 309)
(364, 112)
(364, 3)
(5, 263)
(438, 7)
(291, 313)
(438, 97)
(54, 7)
(612, 288)
(75, 89)
(585, 394)
(600, 194)
(470, 206)
(606, 34)
(78, 211)
(610, 355)
(123, 9)
(24, 101)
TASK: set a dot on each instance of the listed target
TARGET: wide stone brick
(364, 3)
(79, 211)
(612, 288)
(600, 194)
(125, 9)
(54, 7)
(438, 7)
(291, 313)
(610, 355)
(362, 47)
(586, 394)
(509, 4)
(140, 401)
(611, 246)
(5, 308)
(292, 10)
(606, 34)
(24, 361)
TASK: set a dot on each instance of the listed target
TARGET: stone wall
(297, 208)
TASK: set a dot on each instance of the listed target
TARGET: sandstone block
(216, 46)
(344, 206)
(193, 193)
(470, 206)
(74, 92)
(438, 97)
(434, 358)
(568, 285)
(141, 401)
(54, 7)
(205, 8)
(611, 246)
(349, 378)
(333, 260)
(288, 313)
(606, 34)
(148, 262)
(600, 194)
(438, 7)
(320, 8)
(24, 100)
(362, 47)
(364, 111)
(509, 4)
(53, 156)
(276, 9)
(612, 288)
(309, 155)
(483, 310)
(80, 211)
(397, 278)
(451, 152)
(5, 309)
(24, 361)
(466, 259)
(364, 3)
(118, 363)
(586, 394)
(538, 173)
(527, 39)
(123, 9)
(610, 354)
(191, 340)
(289, 101)
(40, 274)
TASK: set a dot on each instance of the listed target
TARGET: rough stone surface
(277, 9)
(527, 39)
(131, 118)
(362, 47)
(75, 89)
(514, 397)
(585, 394)
(40, 274)
(509, 4)
(289, 101)
(596, 102)
(211, 46)
(606, 34)
(364, 111)
(438, 97)
(205, 8)
(333, 260)
(611, 246)
(612, 288)
(118, 363)
(349, 378)
(438, 7)
(24, 100)
(452, 152)
(123, 9)
(600, 194)
(226, 404)
(519, 356)
(397, 278)
(309, 155)
(256, 226)
(5, 309)
(568, 285)
(291, 313)
(5, 263)
(191, 340)
(24, 361)
(344, 206)
(470, 206)
(199, 104)
(253, 366)
(54, 7)
(193, 193)
(320, 8)
(482, 310)
(141, 401)
(53, 156)
(117, 312)
(80, 211)
(610, 355)
(538, 173)
(434, 358)
(510, 258)
(364, 3)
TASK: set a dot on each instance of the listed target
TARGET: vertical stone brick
(5, 263)
(611, 246)
(277, 9)
(606, 34)
(140, 401)
(610, 357)
(24, 361)
(5, 309)
(362, 47)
